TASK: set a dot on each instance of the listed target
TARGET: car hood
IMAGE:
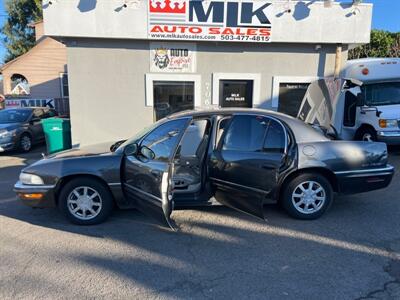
(9, 126)
(97, 149)
(390, 112)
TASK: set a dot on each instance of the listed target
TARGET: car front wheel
(25, 143)
(307, 196)
(85, 201)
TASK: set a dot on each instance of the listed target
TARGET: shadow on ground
(218, 250)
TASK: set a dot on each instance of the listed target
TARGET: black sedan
(240, 158)
(21, 128)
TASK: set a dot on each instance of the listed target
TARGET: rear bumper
(47, 198)
(360, 181)
(389, 137)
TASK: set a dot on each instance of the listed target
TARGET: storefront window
(291, 96)
(171, 97)
(236, 93)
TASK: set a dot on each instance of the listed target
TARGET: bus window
(386, 93)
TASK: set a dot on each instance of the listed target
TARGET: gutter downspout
(338, 61)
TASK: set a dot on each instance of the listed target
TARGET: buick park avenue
(241, 158)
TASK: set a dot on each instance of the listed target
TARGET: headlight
(388, 123)
(30, 179)
(7, 133)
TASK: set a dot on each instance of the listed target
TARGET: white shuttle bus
(363, 105)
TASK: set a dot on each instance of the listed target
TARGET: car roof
(302, 131)
(18, 108)
(27, 108)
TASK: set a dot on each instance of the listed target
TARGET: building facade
(131, 63)
(39, 77)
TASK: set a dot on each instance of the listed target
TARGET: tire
(88, 208)
(25, 143)
(366, 134)
(302, 203)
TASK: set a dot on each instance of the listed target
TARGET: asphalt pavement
(353, 252)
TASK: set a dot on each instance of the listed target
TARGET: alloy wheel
(84, 203)
(26, 143)
(308, 197)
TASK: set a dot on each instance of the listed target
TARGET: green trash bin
(58, 134)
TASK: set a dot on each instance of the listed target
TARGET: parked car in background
(242, 158)
(363, 105)
(21, 128)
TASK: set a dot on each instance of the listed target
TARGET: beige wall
(39, 30)
(107, 79)
(41, 66)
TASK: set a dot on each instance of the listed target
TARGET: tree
(383, 44)
(18, 36)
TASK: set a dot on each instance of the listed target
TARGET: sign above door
(231, 21)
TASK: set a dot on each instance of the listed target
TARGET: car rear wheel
(307, 196)
(85, 201)
(25, 143)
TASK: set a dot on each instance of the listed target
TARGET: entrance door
(236, 93)
(147, 171)
(171, 97)
(245, 166)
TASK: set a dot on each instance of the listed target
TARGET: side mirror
(131, 149)
(147, 153)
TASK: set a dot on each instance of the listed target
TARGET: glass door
(171, 97)
(236, 93)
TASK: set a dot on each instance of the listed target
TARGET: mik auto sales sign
(232, 20)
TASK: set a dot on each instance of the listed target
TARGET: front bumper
(7, 146)
(389, 137)
(360, 181)
(29, 195)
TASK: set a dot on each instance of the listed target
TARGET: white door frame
(150, 78)
(277, 80)
(256, 77)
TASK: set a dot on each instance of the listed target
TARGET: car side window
(275, 138)
(246, 133)
(164, 139)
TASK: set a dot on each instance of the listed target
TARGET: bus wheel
(366, 134)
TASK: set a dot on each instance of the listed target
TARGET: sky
(385, 16)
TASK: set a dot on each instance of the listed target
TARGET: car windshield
(386, 93)
(139, 135)
(14, 116)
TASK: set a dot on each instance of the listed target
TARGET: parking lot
(353, 252)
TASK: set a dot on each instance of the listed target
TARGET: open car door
(147, 169)
(244, 166)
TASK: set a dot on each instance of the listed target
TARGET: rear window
(387, 93)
